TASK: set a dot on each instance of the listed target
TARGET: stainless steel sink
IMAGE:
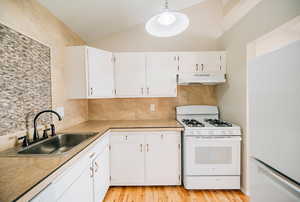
(56, 145)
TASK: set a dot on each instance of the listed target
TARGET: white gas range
(211, 149)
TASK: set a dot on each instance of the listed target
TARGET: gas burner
(218, 123)
(192, 123)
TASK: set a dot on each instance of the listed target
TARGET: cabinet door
(100, 73)
(161, 75)
(81, 189)
(127, 159)
(130, 74)
(189, 62)
(101, 175)
(46, 195)
(162, 158)
(213, 62)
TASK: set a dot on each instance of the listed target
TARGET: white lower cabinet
(101, 175)
(145, 158)
(162, 159)
(118, 159)
(81, 189)
(87, 179)
(127, 159)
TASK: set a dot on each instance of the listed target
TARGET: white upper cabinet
(161, 75)
(130, 74)
(202, 62)
(189, 62)
(89, 73)
(213, 62)
(93, 73)
(101, 73)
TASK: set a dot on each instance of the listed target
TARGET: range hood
(201, 78)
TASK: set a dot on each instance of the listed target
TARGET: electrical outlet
(152, 107)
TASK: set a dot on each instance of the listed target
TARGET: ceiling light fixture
(167, 23)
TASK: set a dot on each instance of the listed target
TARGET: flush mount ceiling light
(167, 23)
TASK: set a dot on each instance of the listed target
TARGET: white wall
(202, 34)
(263, 18)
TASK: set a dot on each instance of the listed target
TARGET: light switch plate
(152, 107)
(60, 111)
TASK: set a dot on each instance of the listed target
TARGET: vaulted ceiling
(94, 19)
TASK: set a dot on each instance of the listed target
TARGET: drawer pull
(92, 155)
(147, 147)
(96, 167)
(92, 172)
(141, 147)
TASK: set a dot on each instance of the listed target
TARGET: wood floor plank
(171, 194)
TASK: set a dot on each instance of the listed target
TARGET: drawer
(130, 137)
(212, 182)
(163, 137)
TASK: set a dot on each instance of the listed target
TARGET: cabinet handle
(126, 137)
(92, 155)
(147, 147)
(141, 147)
(148, 91)
(197, 67)
(92, 172)
(142, 89)
(202, 67)
(97, 166)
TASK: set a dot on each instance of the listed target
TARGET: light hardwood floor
(171, 194)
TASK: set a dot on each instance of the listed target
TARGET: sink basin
(56, 145)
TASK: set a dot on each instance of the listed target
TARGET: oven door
(213, 155)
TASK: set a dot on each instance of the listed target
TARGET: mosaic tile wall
(25, 81)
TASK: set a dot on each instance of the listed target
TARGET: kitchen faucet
(35, 132)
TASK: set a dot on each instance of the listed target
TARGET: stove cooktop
(218, 123)
(192, 123)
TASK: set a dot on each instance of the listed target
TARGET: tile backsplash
(142, 108)
(25, 81)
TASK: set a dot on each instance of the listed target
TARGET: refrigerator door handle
(282, 179)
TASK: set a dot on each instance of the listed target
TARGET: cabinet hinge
(113, 59)
(179, 146)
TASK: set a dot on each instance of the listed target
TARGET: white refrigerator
(274, 125)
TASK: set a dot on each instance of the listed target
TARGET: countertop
(19, 174)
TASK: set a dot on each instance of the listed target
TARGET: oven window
(213, 155)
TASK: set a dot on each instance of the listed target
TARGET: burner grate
(192, 123)
(218, 123)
